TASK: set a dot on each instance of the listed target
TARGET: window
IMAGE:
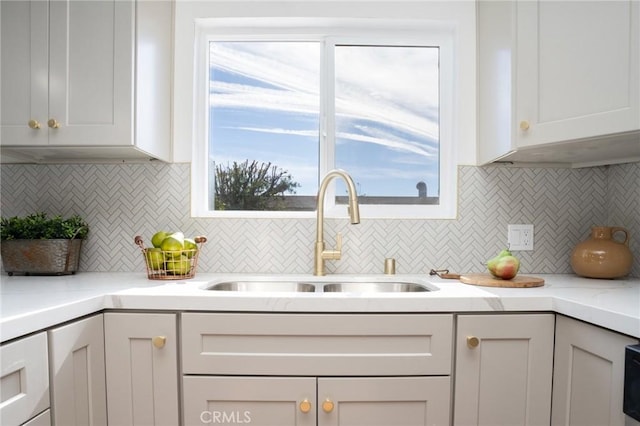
(386, 121)
(263, 124)
(279, 107)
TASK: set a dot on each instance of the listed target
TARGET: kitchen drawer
(24, 379)
(316, 344)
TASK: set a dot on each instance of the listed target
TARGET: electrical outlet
(520, 237)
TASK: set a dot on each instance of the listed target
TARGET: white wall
(459, 14)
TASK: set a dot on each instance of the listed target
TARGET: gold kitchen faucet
(320, 254)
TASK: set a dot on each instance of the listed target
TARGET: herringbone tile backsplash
(123, 200)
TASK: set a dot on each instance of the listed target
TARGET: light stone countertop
(29, 304)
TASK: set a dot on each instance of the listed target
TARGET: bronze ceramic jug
(601, 256)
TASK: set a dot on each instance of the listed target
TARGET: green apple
(504, 265)
(158, 237)
(491, 264)
(173, 245)
(190, 247)
(179, 266)
(155, 258)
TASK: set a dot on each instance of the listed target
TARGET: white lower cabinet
(77, 373)
(351, 369)
(504, 366)
(282, 401)
(24, 381)
(384, 401)
(588, 374)
(42, 419)
(268, 369)
(142, 368)
(323, 401)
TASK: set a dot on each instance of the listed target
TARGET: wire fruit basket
(170, 265)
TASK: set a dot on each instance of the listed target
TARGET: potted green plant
(37, 244)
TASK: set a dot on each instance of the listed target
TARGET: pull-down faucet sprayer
(320, 254)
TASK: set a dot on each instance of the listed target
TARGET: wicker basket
(170, 265)
(41, 257)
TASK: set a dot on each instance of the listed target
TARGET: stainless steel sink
(374, 287)
(300, 286)
(264, 286)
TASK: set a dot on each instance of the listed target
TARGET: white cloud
(280, 131)
(291, 66)
(395, 145)
(375, 84)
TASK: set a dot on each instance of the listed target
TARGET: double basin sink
(296, 286)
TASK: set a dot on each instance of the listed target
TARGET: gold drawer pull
(472, 342)
(327, 405)
(305, 406)
(159, 341)
(34, 124)
(53, 123)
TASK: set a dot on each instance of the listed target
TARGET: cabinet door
(77, 373)
(496, 79)
(24, 379)
(142, 369)
(588, 374)
(383, 401)
(91, 72)
(43, 419)
(259, 401)
(578, 69)
(504, 377)
(24, 71)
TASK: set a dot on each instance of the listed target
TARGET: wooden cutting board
(520, 281)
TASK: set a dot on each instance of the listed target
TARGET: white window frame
(342, 31)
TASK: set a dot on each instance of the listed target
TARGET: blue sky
(265, 101)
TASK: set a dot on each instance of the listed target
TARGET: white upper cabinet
(558, 81)
(25, 72)
(86, 79)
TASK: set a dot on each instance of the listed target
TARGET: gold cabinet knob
(524, 125)
(159, 341)
(53, 123)
(305, 406)
(34, 124)
(472, 342)
(327, 406)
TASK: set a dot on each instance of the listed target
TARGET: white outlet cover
(520, 237)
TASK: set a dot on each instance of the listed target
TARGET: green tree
(252, 186)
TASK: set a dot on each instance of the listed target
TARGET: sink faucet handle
(336, 253)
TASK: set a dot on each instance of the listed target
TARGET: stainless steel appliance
(632, 382)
